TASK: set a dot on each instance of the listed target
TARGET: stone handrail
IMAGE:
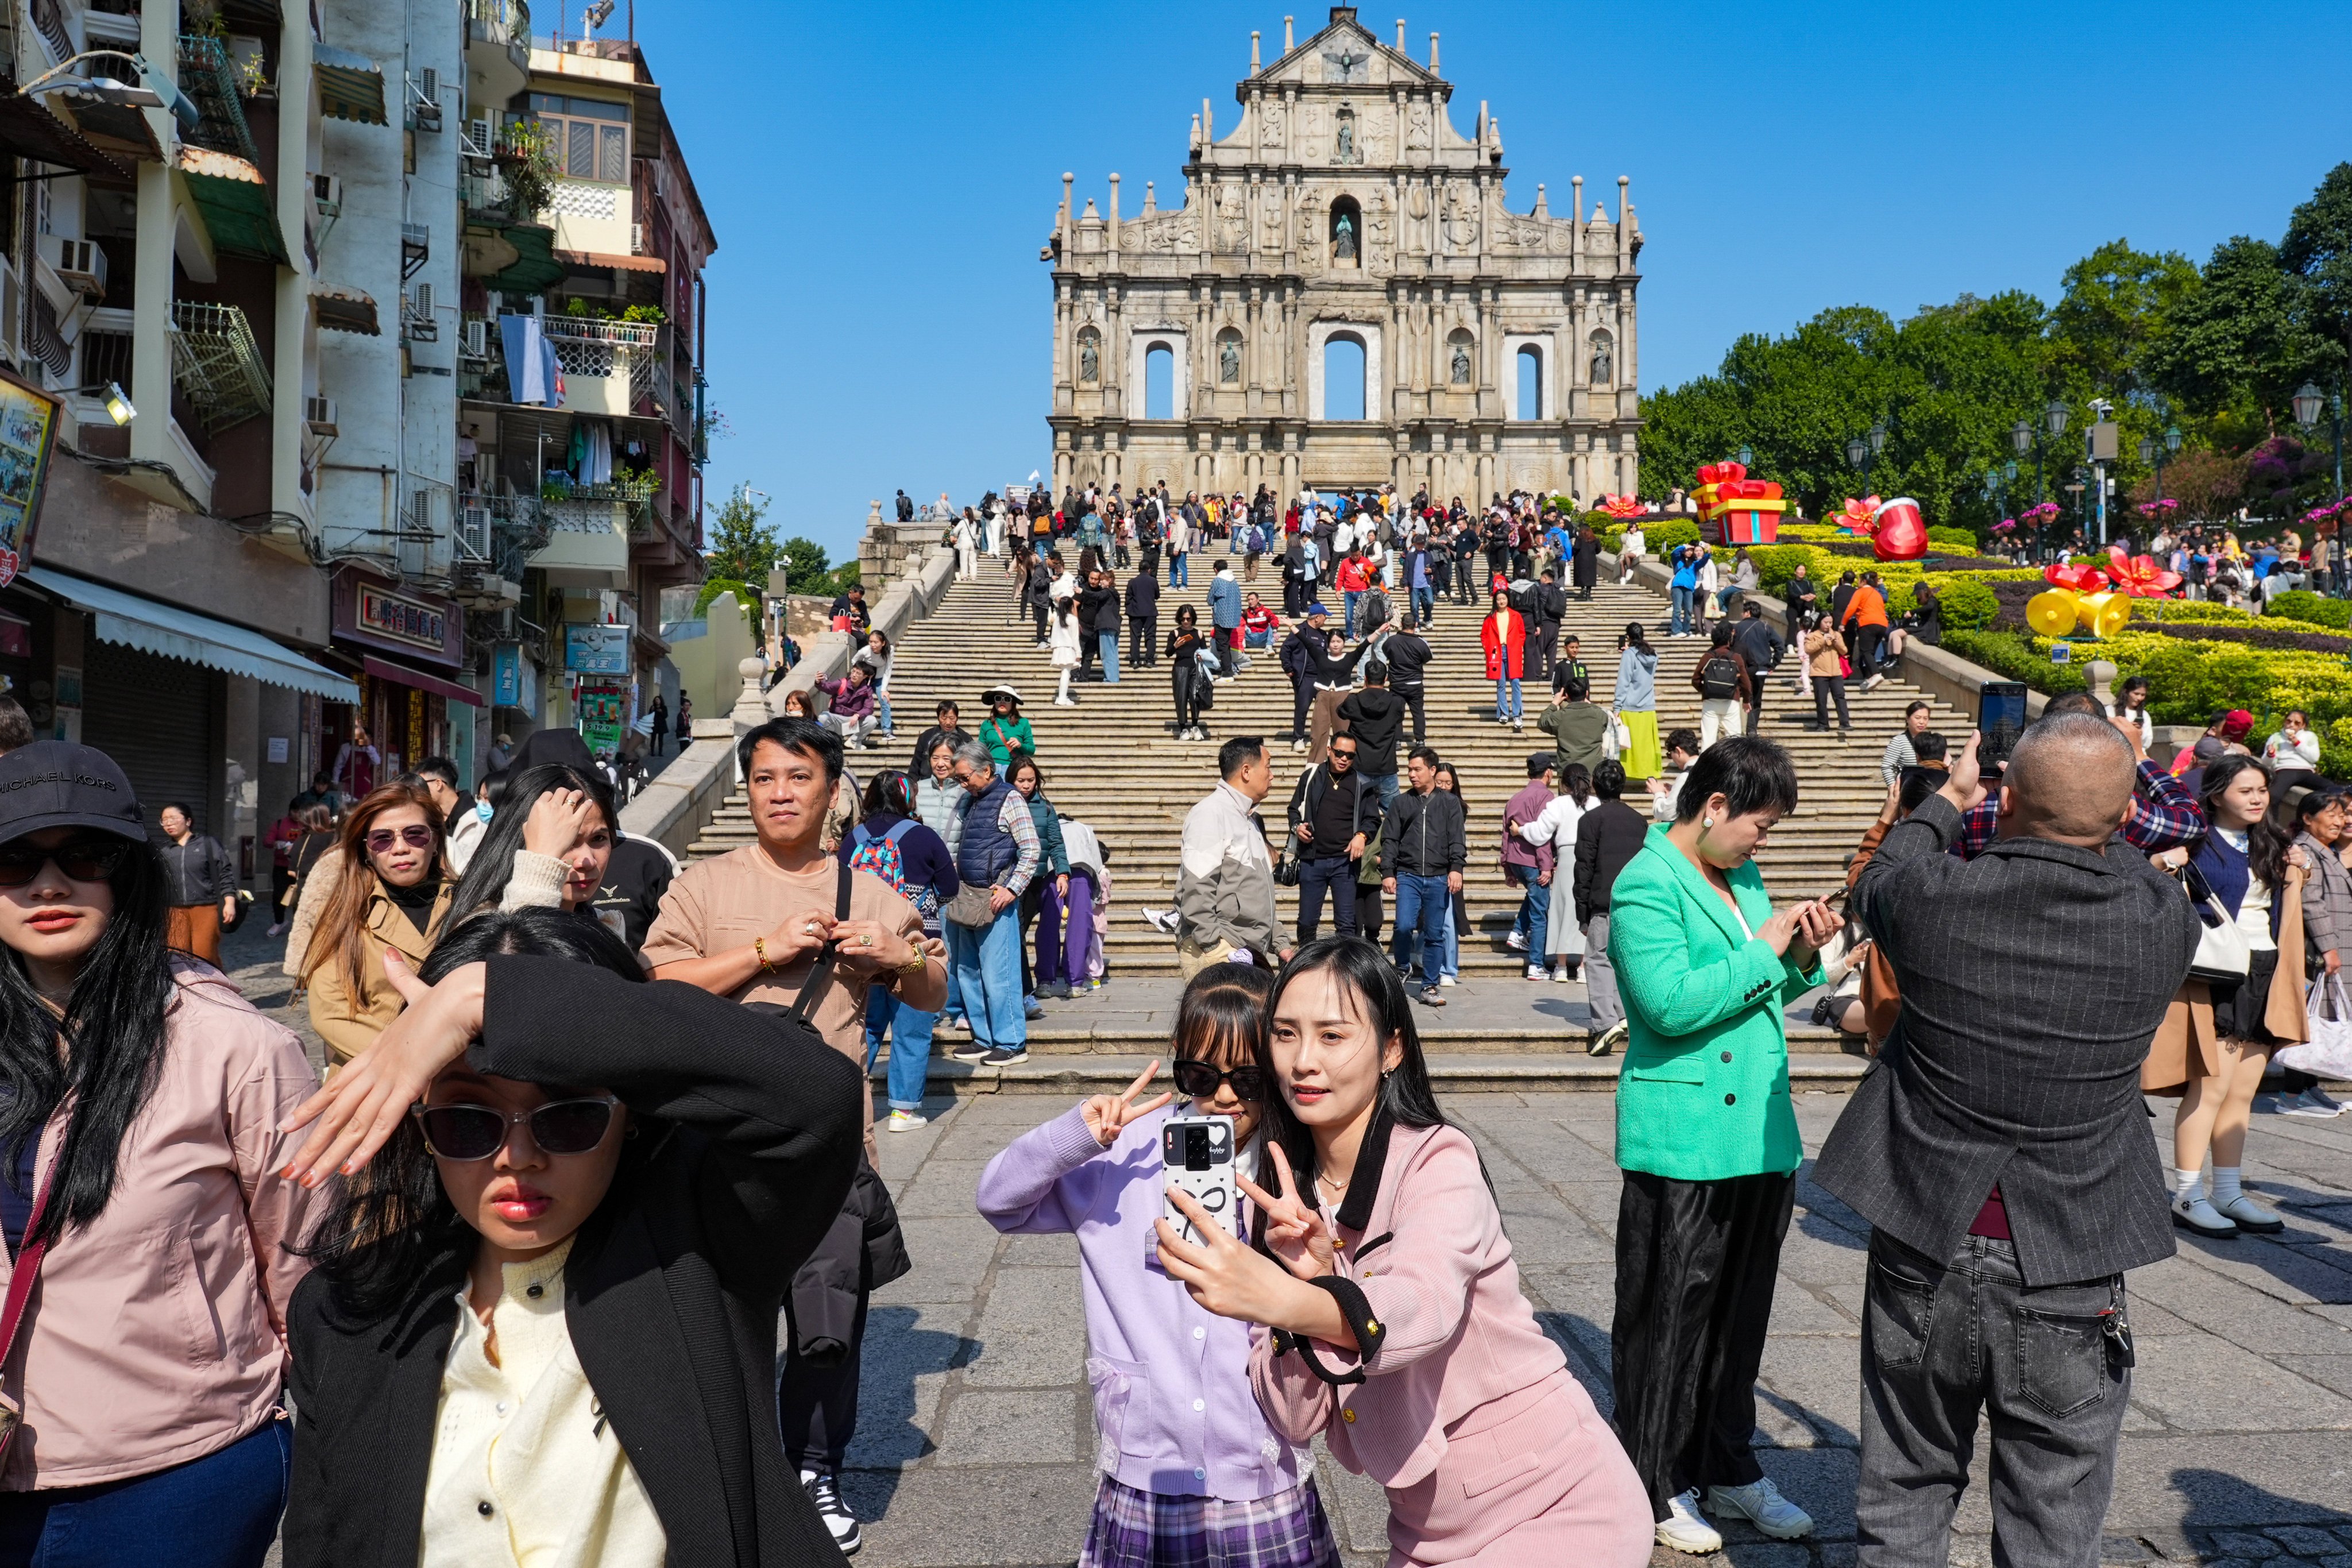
(905, 600)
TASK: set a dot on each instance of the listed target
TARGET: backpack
(1718, 678)
(879, 857)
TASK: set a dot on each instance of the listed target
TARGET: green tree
(2118, 301)
(2318, 250)
(804, 565)
(2243, 342)
(743, 547)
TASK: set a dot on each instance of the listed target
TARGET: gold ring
(866, 942)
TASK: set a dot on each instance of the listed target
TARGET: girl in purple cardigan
(1388, 1304)
(1191, 1472)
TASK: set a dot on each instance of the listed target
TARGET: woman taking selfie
(1156, 1355)
(398, 900)
(1397, 1327)
(541, 1327)
(1706, 1139)
(142, 1100)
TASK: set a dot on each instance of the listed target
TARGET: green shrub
(746, 597)
(2015, 657)
(1661, 537)
(2310, 608)
(1958, 540)
(1968, 603)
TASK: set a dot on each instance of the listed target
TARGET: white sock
(2184, 1183)
(2225, 1185)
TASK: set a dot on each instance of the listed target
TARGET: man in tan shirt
(750, 925)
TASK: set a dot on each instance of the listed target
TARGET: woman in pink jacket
(1388, 1305)
(137, 1123)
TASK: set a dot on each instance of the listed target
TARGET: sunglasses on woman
(479, 1132)
(415, 836)
(83, 860)
(1199, 1080)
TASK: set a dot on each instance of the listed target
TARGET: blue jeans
(988, 974)
(910, 1046)
(1685, 616)
(1453, 941)
(1387, 784)
(1109, 643)
(1180, 570)
(1348, 599)
(1507, 689)
(1423, 903)
(1425, 606)
(219, 1511)
(1534, 919)
(1336, 873)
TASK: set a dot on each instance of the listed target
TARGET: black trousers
(1142, 640)
(1695, 1262)
(1187, 680)
(1414, 696)
(1543, 636)
(1337, 873)
(1496, 558)
(1302, 697)
(1756, 680)
(1826, 687)
(1038, 610)
(1869, 642)
(1149, 565)
(816, 1407)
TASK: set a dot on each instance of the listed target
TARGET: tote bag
(2328, 1053)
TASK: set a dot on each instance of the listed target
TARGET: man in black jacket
(1408, 654)
(1375, 717)
(1759, 647)
(1334, 811)
(1607, 837)
(950, 728)
(1547, 606)
(1423, 851)
(1143, 612)
(1571, 666)
(1999, 1148)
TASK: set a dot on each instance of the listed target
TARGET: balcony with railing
(498, 40)
(210, 79)
(217, 365)
(607, 365)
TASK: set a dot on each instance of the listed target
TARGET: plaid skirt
(1135, 1528)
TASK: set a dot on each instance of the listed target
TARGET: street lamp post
(1746, 456)
(1864, 451)
(2023, 436)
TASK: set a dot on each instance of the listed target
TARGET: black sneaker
(969, 1051)
(825, 1492)
(1005, 1059)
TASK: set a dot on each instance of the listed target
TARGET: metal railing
(217, 363)
(209, 77)
(51, 23)
(604, 330)
(499, 21)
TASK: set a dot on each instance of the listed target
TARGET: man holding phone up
(2163, 814)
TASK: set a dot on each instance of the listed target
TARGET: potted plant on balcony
(526, 161)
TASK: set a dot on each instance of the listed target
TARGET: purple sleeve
(1039, 1183)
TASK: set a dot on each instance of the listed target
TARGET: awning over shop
(29, 130)
(347, 310)
(238, 211)
(401, 675)
(606, 258)
(351, 87)
(172, 633)
(535, 268)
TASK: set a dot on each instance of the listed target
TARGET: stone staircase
(1112, 762)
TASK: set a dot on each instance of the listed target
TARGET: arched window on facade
(1530, 362)
(1229, 358)
(1343, 376)
(1089, 356)
(1603, 365)
(1461, 358)
(1160, 382)
(1346, 232)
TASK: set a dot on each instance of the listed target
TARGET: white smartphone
(1196, 1156)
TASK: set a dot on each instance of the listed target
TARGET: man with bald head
(2000, 1149)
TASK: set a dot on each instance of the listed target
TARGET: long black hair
(492, 867)
(391, 1226)
(1405, 1095)
(113, 1025)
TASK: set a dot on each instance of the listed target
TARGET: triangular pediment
(1346, 54)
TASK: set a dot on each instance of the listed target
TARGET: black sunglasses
(414, 836)
(477, 1131)
(83, 860)
(1199, 1080)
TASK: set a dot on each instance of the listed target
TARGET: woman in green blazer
(1706, 1139)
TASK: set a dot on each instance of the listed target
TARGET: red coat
(1503, 636)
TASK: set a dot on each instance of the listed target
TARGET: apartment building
(264, 482)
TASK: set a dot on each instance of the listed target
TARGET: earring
(1706, 822)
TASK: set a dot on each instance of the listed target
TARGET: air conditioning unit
(424, 100)
(326, 194)
(479, 142)
(319, 417)
(79, 264)
(477, 344)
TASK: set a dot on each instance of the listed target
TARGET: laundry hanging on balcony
(592, 452)
(533, 376)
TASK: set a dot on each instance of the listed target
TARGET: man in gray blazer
(2000, 1149)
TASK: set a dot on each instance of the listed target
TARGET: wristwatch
(914, 965)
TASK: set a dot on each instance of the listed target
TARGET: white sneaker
(1683, 1531)
(2312, 1101)
(1761, 1504)
(1161, 920)
(1537, 971)
(908, 1121)
(839, 1523)
(1445, 980)
(1065, 702)
(1559, 976)
(1516, 941)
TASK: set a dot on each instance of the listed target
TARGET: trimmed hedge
(2298, 605)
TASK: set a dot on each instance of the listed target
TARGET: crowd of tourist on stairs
(570, 1258)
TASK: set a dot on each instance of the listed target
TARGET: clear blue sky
(881, 176)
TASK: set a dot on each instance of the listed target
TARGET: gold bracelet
(915, 965)
(760, 952)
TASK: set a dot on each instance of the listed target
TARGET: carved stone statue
(1604, 360)
(1343, 238)
(1233, 220)
(1343, 146)
(1270, 125)
(1229, 359)
(1417, 128)
(1089, 354)
(1376, 228)
(1461, 364)
(1270, 217)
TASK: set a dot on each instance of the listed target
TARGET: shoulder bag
(2223, 956)
(26, 1270)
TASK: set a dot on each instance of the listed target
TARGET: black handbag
(1286, 869)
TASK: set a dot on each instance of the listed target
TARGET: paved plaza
(975, 1438)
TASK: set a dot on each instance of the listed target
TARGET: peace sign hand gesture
(1108, 1115)
(1294, 1232)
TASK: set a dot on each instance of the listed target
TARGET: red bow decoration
(1721, 473)
(2078, 579)
(1860, 516)
(2139, 575)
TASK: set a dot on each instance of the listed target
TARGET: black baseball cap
(57, 784)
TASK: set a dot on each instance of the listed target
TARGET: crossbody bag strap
(26, 1269)
(822, 968)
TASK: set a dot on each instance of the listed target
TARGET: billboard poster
(28, 425)
(594, 650)
(604, 713)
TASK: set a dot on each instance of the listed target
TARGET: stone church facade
(1345, 206)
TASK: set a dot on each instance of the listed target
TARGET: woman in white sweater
(1557, 826)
